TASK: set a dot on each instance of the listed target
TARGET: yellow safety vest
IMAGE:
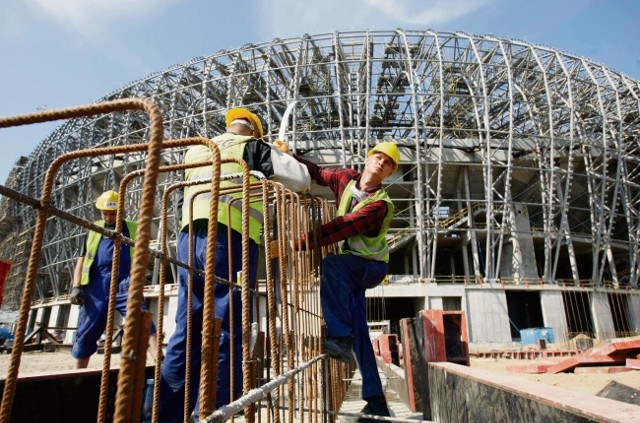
(372, 248)
(92, 242)
(231, 147)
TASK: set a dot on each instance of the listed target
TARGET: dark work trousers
(93, 314)
(172, 388)
(345, 277)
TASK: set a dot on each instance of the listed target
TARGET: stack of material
(610, 357)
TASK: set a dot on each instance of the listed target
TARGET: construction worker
(92, 280)
(242, 140)
(364, 214)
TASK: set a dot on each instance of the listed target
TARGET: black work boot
(376, 406)
(339, 348)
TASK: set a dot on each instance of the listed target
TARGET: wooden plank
(633, 363)
(601, 369)
(573, 362)
(532, 368)
(414, 377)
(630, 347)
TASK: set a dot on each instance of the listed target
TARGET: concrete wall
(74, 315)
(487, 315)
(601, 314)
(633, 307)
(436, 303)
(436, 294)
(457, 393)
(484, 305)
(464, 394)
(553, 314)
(395, 288)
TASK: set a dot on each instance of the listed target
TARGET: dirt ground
(43, 362)
(587, 383)
(38, 362)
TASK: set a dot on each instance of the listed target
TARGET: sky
(64, 53)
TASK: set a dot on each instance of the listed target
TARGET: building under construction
(517, 196)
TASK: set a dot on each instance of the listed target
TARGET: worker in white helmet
(92, 281)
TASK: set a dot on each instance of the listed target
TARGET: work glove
(77, 296)
(282, 146)
(274, 249)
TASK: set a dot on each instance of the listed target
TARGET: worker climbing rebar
(364, 215)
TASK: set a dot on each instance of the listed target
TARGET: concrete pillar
(553, 314)
(487, 314)
(40, 315)
(169, 319)
(633, 307)
(601, 314)
(53, 317)
(471, 234)
(40, 321)
(74, 315)
(518, 258)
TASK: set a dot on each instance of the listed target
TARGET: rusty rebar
(45, 200)
(299, 312)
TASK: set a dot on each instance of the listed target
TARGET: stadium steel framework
(519, 162)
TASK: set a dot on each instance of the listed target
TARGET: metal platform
(352, 404)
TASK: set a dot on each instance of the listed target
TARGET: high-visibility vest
(372, 248)
(93, 240)
(231, 147)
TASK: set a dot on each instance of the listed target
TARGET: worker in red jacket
(364, 215)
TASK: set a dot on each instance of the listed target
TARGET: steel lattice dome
(519, 161)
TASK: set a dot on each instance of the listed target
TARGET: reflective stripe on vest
(231, 147)
(372, 248)
(92, 242)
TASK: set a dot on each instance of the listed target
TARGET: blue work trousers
(93, 314)
(172, 388)
(345, 277)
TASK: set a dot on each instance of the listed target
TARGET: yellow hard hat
(242, 113)
(390, 149)
(108, 200)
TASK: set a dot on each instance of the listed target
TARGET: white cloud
(427, 13)
(94, 17)
(282, 18)
(13, 22)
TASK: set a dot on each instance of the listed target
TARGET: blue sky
(61, 53)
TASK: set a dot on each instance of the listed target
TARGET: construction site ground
(40, 362)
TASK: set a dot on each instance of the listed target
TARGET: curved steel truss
(518, 161)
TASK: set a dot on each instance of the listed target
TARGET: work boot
(376, 406)
(339, 348)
